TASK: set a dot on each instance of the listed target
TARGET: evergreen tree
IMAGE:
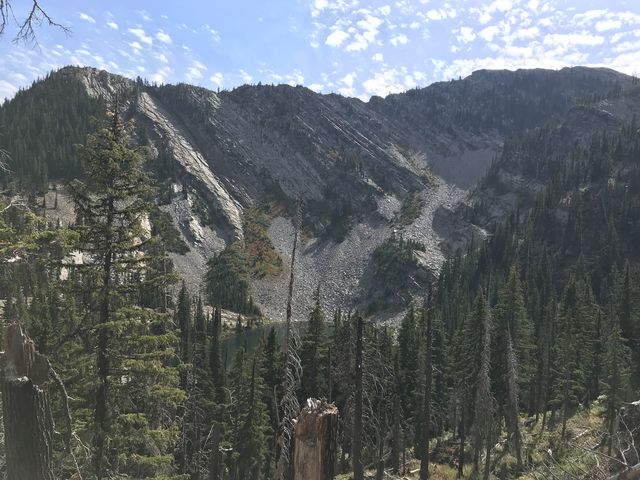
(134, 414)
(271, 371)
(615, 384)
(313, 353)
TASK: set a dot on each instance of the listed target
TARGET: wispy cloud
(164, 37)
(86, 17)
(141, 35)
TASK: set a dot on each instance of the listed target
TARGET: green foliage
(163, 227)
(227, 281)
(392, 267)
(136, 393)
(41, 128)
(410, 209)
(263, 258)
(313, 353)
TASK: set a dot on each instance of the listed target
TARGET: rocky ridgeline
(344, 158)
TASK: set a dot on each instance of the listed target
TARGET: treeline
(41, 128)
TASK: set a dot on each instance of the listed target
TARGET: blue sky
(353, 47)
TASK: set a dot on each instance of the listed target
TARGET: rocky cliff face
(350, 164)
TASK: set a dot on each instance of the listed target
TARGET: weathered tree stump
(315, 440)
(28, 425)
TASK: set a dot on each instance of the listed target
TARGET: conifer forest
(265, 282)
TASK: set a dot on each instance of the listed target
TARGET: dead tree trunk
(28, 425)
(315, 441)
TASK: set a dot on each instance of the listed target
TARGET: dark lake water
(251, 338)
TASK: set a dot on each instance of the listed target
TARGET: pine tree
(615, 384)
(408, 348)
(511, 320)
(313, 352)
(216, 367)
(135, 413)
(251, 441)
(271, 372)
(484, 427)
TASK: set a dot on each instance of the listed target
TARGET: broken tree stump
(315, 440)
(28, 425)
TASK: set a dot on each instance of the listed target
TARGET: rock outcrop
(350, 163)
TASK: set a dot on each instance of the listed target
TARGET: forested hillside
(518, 356)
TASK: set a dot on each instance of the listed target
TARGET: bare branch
(26, 27)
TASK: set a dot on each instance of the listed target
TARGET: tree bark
(28, 425)
(315, 441)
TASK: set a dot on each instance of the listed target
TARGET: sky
(352, 47)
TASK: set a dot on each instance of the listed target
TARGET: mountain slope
(351, 165)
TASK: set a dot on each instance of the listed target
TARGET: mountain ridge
(351, 163)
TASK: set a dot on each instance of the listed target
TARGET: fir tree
(313, 353)
(130, 414)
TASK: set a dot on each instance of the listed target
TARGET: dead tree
(292, 372)
(28, 424)
(315, 442)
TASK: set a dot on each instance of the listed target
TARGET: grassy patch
(263, 259)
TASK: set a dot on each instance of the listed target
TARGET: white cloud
(377, 57)
(626, 46)
(588, 17)
(399, 40)
(533, 5)
(7, 90)
(161, 75)
(246, 78)
(385, 10)
(366, 35)
(86, 18)
(488, 33)
(604, 25)
(527, 33)
(318, 6)
(434, 15)
(214, 33)
(569, 40)
(195, 72)
(164, 37)
(141, 35)
(161, 57)
(145, 16)
(217, 79)
(336, 38)
(112, 25)
(385, 82)
(466, 35)
(316, 87)
(348, 79)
